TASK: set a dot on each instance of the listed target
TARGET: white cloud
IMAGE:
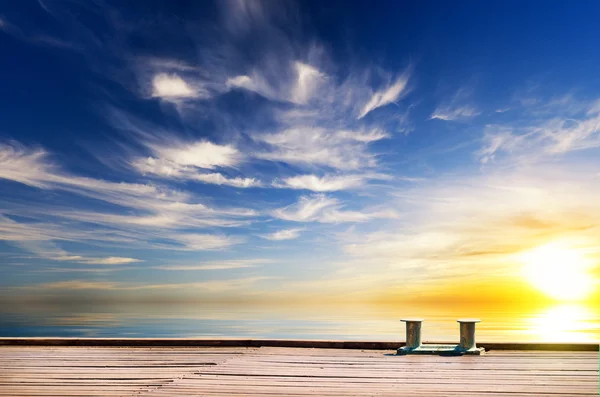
(111, 260)
(385, 96)
(448, 113)
(168, 64)
(307, 83)
(216, 265)
(171, 86)
(185, 161)
(256, 83)
(159, 167)
(75, 285)
(320, 208)
(241, 81)
(307, 209)
(594, 108)
(193, 287)
(219, 179)
(167, 216)
(457, 107)
(169, 169)
(327, 183)
(68, 258)
(556, 136)
(148, 211)
(207, 242)
(20, 164)
(340, 149)
(33, 167)
(280, 87)
(285, 234)
(202, 154)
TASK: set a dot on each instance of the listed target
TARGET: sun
(559, 271)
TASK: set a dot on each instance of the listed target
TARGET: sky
(295, 151)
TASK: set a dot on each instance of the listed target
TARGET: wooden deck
(284, 371)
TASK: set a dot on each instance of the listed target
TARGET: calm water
(565, 323)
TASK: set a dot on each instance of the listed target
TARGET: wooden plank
(277, 371)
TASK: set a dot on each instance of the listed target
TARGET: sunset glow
(558, 271)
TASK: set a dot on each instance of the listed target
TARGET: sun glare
(565, 322)
(559, 271)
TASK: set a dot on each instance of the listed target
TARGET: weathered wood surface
(274, 371)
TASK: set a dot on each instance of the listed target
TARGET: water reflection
(561, 323)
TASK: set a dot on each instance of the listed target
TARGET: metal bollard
(413, 332)
(467, 333)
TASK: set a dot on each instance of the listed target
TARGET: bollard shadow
(436, 350)
(443, 354)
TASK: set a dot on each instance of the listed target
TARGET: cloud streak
(447, 113)
(385, 96)
(216, 265)
(324, 209)
(337, 149)
(556, 136)
(111, 260)
(327, 183)
(282, 235)
(457, 108)
(155, 207)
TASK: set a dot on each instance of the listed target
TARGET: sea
(568, 322)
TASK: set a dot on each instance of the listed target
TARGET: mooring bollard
(413, 332)
(467, 333)
(414, 346)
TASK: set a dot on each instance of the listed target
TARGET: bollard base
(442, 350)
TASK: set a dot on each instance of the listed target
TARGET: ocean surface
(558, 323)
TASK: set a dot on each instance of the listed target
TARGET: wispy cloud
(111, 260)
(155, 207)
(207, 241)
(216, 265)
(24, 165)
(219, 179)
(256, 83)
(455, 113)
(307, 82)
(560, 134)
(327, 183)
(339, 149)
(324, 209)
(299, 89)
(385, 96)
(189, 287)
(172, 87)
(240, 16)
(170, 169)
(202, 154)
(285, 234)
(90, 270)
(458, 107)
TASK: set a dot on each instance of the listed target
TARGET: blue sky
(277, 149)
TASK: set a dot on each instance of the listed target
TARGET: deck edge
(322, 344)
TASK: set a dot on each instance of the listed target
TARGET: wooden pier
(76, 367)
